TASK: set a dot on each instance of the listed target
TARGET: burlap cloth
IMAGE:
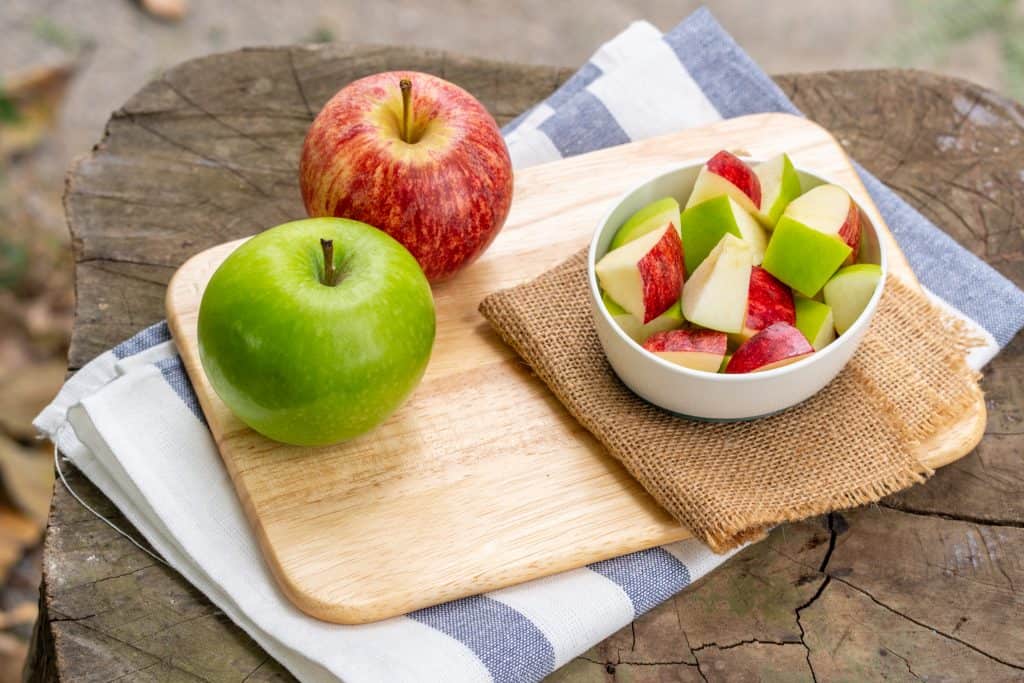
(851, 444)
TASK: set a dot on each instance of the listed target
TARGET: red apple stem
(329, 275)
(406, 85)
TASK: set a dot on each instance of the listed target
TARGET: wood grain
(479, 480)
(106, 612)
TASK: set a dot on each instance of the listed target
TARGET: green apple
(802, 257)
(637, 331)
(704, 225)
(315, 331)
(814, 319)
(849, 291)
(653, 216)
(725, 362)
(715, 295)
(780, 184)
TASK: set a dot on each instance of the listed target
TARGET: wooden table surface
(928, 584)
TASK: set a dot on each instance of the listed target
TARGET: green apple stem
(329, 275)
(406, 85)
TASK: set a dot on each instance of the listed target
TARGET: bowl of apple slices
(731, 289)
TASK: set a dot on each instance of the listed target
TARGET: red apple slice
(644, 276)
(727, 174)
(776, 345)
(690, 347)
(768, 301)
(830, 210)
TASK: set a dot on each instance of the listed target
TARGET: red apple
(737, 172)
(415, 156)
(776, 345)
(768, 301)
(690, 347)
(644, 276)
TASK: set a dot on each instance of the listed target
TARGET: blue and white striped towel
(130, 421)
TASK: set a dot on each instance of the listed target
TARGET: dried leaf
(28, 481)
(29, 102)
(26, 390)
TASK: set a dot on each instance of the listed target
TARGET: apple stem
(406, 85)
(328, 248)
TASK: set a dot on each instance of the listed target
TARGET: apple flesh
(311, 350)
(637, 331)
(690, 347)
(814, 320)
(715, 295)
(803, 257)
(415, 156)
(653, 216)
(768, 301)
(644, 276)
(727, 174)
(780, 185)
(777, 345)
(849, 291)
(703, 226)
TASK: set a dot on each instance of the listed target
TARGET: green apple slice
(849, 291)
(780, 184)
(725, 361)
(653, 216)
(703, 226)
(802, 257)
(814, 320)
(715, 296)
(637, 331)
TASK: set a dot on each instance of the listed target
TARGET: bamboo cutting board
(482, 479)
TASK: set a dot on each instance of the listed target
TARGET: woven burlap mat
(851, 444)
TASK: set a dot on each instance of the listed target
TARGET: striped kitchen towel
(130, 421)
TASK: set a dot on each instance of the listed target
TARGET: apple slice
(768, 301)
(637, 331)
(774, 346)
(727, 174)
(780, 184)
(814, 320)
(644, 276)
(703, 226)
(691, 347)
(715, 296)
(725, 362)
(653, 216)
(831, 210)
(849, 291)
(802, 257)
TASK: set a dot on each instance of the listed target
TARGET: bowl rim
(738, 378)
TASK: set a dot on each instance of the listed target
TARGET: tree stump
(926, 584)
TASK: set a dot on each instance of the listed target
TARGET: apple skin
(802, 257)
(737, 172)
(306, 363)
(776, 345)
(815, 320)
(651, 217)
(690, 347)
(849, 291)
(768, 301)
(703, 226)
(444, 196)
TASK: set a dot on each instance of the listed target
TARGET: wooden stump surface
(926, 585)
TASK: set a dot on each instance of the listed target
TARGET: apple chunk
(768, 301)
(802, 257)
(780, 184)
(814, 319)
(727, 174)
(703, 226)
(653, 216)
(637, 331)
(692, 348)
(715, 296)
(774, 346)
(645, 276)
(828, 209)
(849, 291)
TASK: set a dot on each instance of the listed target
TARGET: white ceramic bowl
(706, 395)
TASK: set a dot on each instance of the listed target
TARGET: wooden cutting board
(482, 479)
